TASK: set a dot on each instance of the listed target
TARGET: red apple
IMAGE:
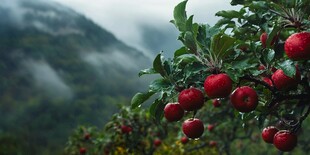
(210, 127)
(216, 103)
(268, 81)
(193, 128)
(87, 136)
(157, 142)
(173, 112)
(268, 134)
(284, 82)
(82, 150)
(285, 140)
(191, 99)
(212, 143)
(261, 67)
(126, 129)
(244, 99)
(184, 140)
(297, 46)
(263, 38)
(218, 85)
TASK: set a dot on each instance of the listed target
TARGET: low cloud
(126, 18)
(114, 57)
(47, 79)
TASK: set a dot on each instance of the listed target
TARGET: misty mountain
(58, 69)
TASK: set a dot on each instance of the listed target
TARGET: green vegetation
(227, 83)
(47, 88)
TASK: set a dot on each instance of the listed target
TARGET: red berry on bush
(268, 81)
(216, 103)
(284, 82)
(157, 142)
(218, 85)
(173, 112)
(297, 46)
(82, 150)
(212, 143)
(268, 134)
(191, 99)
(261, 67)
(193, 128)
(263, 38)
(210, 127)
(244, 99)
(126, 129)
(184, 140)
(285, 140)
(87, 136)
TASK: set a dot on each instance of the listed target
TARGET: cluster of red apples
(243, 98)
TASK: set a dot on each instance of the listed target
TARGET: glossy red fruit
(191, 99)
(87, 136)
(261, 67)
(244, 99)
(268, 134)
(184, 140)
(210, 127)
(193, 128)
(212, 143)
(297, 46)
(218, 85)
(284, 82)
(157, 142)
(216, 103)
(263, 38)
(285, 140)
(82, 150)
(268, 81)
(173, 112)
(126, 129)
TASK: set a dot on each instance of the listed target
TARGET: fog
(47, 79)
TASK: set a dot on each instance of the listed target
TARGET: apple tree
(254, 63)
(241, 86)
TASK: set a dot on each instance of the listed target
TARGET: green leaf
(234, 75)
(189, 23)
(257, 5)
(158, 66)
(229, 14)
(180, 52)
(157, 107)
(269, 56)
(288, 68)
(179, 15)
(147, 71)
(247, 116)
(189, 41)
(157, 110)
(140, 98)
(272, 36)
(185, 59)
(236, 2)
(224, 21)
(159, 85)
(221, 45)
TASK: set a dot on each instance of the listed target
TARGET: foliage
(233, 47)
(36, 118)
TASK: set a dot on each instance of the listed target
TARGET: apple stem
(194, 113)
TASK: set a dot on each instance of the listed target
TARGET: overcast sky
(125, 18)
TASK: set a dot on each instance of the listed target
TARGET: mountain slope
(58, 69)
